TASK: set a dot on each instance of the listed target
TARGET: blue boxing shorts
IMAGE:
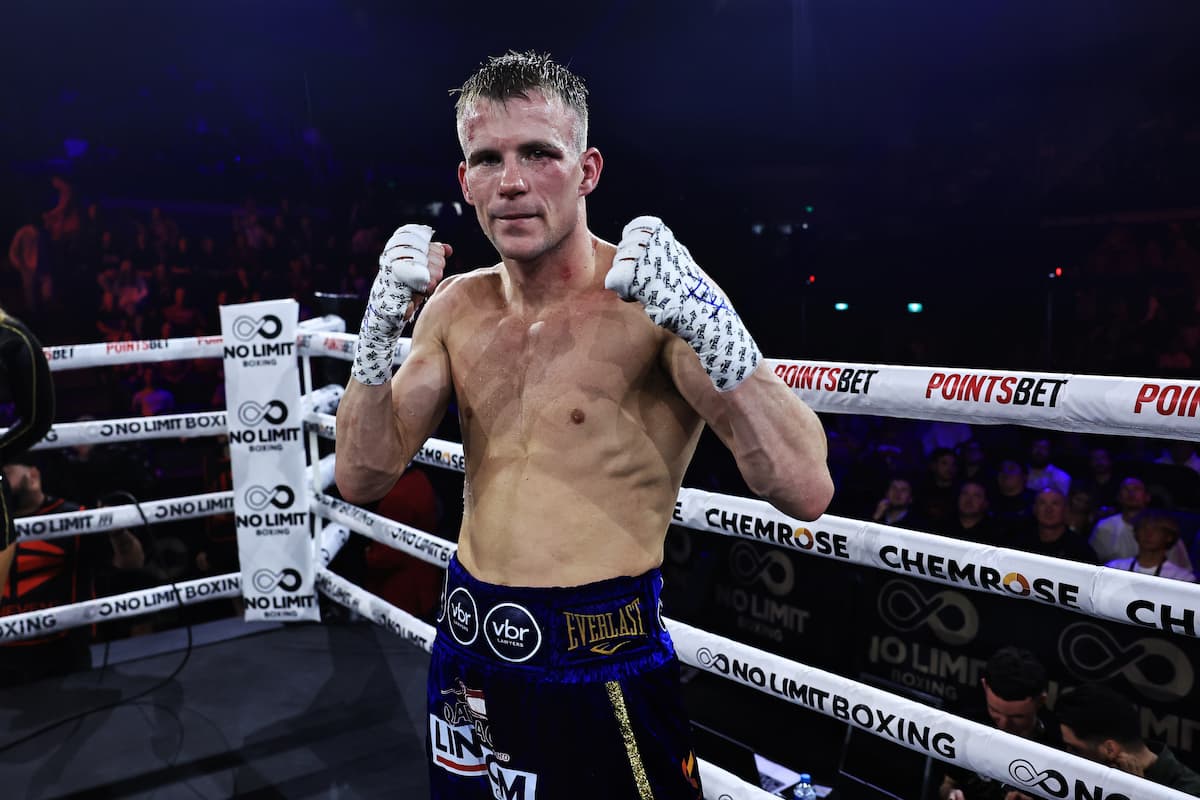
(552, 693)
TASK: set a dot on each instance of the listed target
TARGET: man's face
(1010, 479)
(524, 174)
(1039, 453)
(971, 500)
(899, 494)
(1018, 717)
(1049, 508)
(1132, 495)
(24, 482)
(945, 467)
(1078, 747)
(1101, 461)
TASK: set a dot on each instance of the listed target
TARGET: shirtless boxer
(583, 374)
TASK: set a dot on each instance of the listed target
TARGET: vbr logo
(512, 632)
(464, 617)
(247, 328)
(251, 413)
(259, 497)
(950, 615)
(1155, 667)
(265, 580)
(770, 567)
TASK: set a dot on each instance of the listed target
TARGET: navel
(577, 416)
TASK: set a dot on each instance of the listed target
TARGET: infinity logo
(265, 580)
(905, 608)
(770, 567)
(1049, 781)
(247, 328)
(251, 413)
(259, 497)
(1156, 667)
(705, 656)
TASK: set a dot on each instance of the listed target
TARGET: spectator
(1014, 690)
(1181, 453)
(1012, 503)
(1155, 532)
(52, 572)
(1101, 480)
(404, 580)
(1112, 538)
(896, 506)
(972, 523)
(1049, 534)
(973, 461)
(1042, 474)
(937, 496)
(1081, 511)
(152, 398)
(1100, 724)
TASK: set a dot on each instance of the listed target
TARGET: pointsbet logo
(982, 387)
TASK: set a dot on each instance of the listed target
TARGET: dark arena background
(993, 184)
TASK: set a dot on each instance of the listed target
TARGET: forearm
(370, 449)
(779, 445)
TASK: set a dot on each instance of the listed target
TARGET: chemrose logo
(246, 328)
(770, 567)
(1155, 667)
(949, 615)
(265, 580)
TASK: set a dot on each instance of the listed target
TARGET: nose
(512, 182)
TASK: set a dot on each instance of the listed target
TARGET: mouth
(514, 216)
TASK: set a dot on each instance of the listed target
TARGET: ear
(592, 163)
(462, 182)
(1110, 750)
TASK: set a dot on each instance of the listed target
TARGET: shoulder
(456, 293)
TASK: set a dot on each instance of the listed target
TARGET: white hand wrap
(656, 270)
(403, 269)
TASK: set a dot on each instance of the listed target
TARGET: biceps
(420, 392)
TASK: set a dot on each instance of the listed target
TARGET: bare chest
(568, 369)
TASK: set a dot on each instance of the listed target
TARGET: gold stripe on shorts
(617, 698)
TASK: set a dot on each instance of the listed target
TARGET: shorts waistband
(608, 626)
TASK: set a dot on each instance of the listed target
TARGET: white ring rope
(142, 351)
(50, 526)
(1095, 404)
(1108, 404)
(1095, 591)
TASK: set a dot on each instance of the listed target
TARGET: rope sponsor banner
(376, 609)
(341, 346)
(1096, 591)
(1024, 765)
(1159, 407)
(333, 538)
(267, 460)
(101, 354)
(34, 624)
(134, 429)
(112, 518)
(422, 545)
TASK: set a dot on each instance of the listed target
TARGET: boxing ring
(1097, 404)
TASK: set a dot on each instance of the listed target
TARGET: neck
(30, 504)
(566, 270)
(969, 520)
(1144, 757)
(1049, 533)
(1151, 558)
